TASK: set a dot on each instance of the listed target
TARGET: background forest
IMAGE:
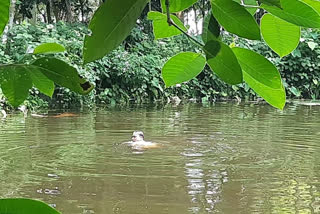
(132, 72)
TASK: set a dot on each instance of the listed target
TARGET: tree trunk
(48, 8)
(195, 20)
(68, 11)
(34, 14)
(82, 11)
(12, 12)
(56, 11)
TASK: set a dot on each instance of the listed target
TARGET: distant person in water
(139, 143)
(137, 136)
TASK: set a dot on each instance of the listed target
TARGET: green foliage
(224, 63)
(4, 14)
(177, 5)
(63, 74)
(161, 29)
(15, 83)
(24, 206)
(299, 71)
(281, 36)
(138, 78)
(296, 12)
(182, 67)
(211, 29)
(276, 3)
(262, 76)
(49, 48)
(25, 38)
(17, 79)
(313, 3)
(119, 17)
(231, 15)
(251, 10)
(235, 19)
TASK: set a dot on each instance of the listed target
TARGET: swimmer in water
(139, 143)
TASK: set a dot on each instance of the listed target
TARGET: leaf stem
(250, 6)
(168, 12)
(171, 22)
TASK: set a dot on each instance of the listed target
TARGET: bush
(132, 72)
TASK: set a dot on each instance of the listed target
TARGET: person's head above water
(137, 136)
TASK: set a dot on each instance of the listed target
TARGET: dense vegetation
(138, 78)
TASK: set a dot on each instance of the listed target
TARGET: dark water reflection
(223, 158)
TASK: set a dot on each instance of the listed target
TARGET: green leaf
(295, 91)
(177, 5)
(161, 28)
(262, 76)
(315, 4)
(15, 83)
(17, 79)
(63, 74)
(25, 206)
(110, 25)
(312, 45)
(211, 28)
(49, 48)
(235, 19)
(276, 3)
(251, 10)
(296, 53)
(295, 12)
(281, 36)
(40, 81)
(4, 14)
(223, 62)
(182, 67)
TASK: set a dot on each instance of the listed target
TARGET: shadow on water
(221, 158)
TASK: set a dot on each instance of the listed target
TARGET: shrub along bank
(132, 73)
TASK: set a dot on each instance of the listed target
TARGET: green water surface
(222, 158)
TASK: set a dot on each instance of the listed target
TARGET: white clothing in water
(142, 143)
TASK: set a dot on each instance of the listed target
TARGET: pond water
(222, 158)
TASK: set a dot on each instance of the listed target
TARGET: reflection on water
(223, 158)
